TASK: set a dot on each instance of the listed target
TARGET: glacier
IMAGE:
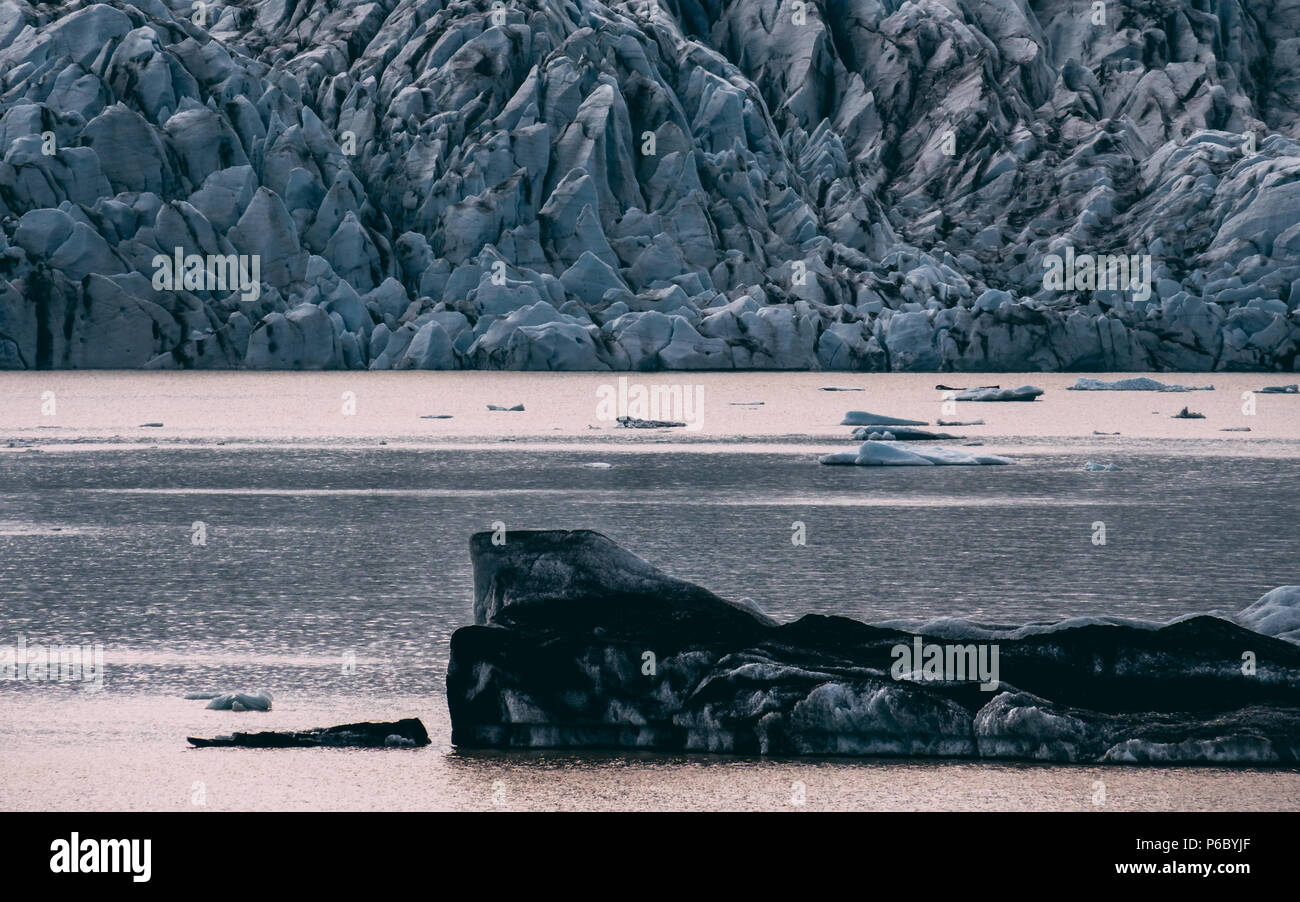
(862, 185)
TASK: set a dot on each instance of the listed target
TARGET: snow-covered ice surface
(631, 185)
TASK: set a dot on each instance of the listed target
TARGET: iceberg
(1276, 614)
(257, 700)
(898, 434)
(578, 643)
(1023, 393)
(887, 454)
(403, 734)
(1139, 383)
(862, 418)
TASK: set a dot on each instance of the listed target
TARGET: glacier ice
(682, 185)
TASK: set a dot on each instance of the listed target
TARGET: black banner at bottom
(302, 851)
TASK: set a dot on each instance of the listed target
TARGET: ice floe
(886, 454)
(1139, 383)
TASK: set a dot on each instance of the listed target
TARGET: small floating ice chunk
(863, 418)
(1096, 432)
(1293, 389)
(257, 700)
(151, 425)
(638, 423)
(200, 696)
(509, 409)
(841, 388)
(898, 434)
(1023, 393)
(1235, 429)
(887, 454)
(960, 422)
(598, 465)
(1138, 383)
(438, 416)
(746, 403)
(1186, 414)
(1093, 467)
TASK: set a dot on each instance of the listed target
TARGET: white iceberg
(1094, 467)
(1276, 614)
(887, 454)
(257, 700)
(1138, 383)
(862, 418)
(1023, 393)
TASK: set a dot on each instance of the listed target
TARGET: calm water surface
(334, 537)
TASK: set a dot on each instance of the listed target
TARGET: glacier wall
(655, 184)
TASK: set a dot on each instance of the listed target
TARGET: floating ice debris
(1186, 414)
(200, 696)
(960, 422)
(746, 403)
(499, 407)
(942, 387)
(1023, 393)
(1137, 383)
(1096, 432)
(841, 388)
(598, 465)
(257, 700)
(637, 423)
(898, 433)
(1235, 429)
(1094, 467)
(1292, 389)
(406, 733)
(439, 416)
(862, 418)
(885, 454)
(151, 425)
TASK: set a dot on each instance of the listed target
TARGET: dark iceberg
(406, 733)
(650, 184)
(578, 643)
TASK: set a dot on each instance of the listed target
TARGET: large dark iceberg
(651, 184)
(577, 643)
